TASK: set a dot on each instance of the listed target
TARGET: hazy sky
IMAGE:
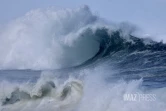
(150, 15)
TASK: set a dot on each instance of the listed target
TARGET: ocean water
(73, 60)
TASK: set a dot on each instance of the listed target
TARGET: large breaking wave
(54, 39)
(97, 64)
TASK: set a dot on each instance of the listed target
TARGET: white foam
(102, 94)
(99, 94)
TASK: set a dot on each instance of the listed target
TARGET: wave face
(72, 60)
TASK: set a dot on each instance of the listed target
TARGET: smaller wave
(19, 95)
(47, 89)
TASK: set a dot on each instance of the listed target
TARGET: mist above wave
(47, 39)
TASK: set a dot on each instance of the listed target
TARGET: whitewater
(74, 60)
